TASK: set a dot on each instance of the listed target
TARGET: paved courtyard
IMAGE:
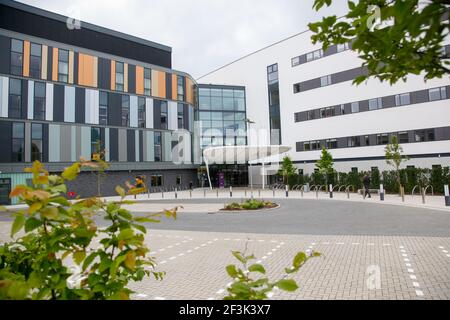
(407, 247)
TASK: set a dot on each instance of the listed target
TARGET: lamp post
(248, 122)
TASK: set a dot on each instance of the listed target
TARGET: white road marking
(419, 293)
(416, 284)
(410, 270)
(160, 298)
(171, 258)
(413, 277)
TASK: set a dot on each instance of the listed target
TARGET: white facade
(251, 72)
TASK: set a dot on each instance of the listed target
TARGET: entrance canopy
(239, 154)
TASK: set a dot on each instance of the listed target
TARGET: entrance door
(5, 189)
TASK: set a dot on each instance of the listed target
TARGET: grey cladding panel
(58, 103)
(5, 50)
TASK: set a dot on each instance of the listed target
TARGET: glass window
(141, 112)
(164, 115)
(125, 111)
(15, 98)
(216, 103)
(424, 135)
(402, 99)
(375, 104)
(367, 140)
(295, 61)
(157, 146)
(204, 102)
(18, 142)
(95, 141)
(310, 115)
(306, 146)
(205, 116)
(180, 85)
(39, 101)
(63, 65)
(331, 144)
(228, 103)
(119, 76)
(216, 92)
(325, 81)
(241, 141)
(382, 139)
(36, 142)
(342, 109)
(272, 73)
(216, 116)
(403, 137)
(204, 92)
(354, 141)
(35, 60)
(355, 107)
(16, 57)
(156, 181)
(297, 88)
(437, 94)
(239, 116)
(342, 47)
(239, 93)
(147, 82)
(180, 116)
(318, 54)
(309, 56)
(239, 104)
(103, 108)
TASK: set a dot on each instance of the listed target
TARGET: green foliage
(401, 40)
(250, 204)
(35, 265)
(253, 204)
(287, 169)
(251, 282)
(395, 157)
(325, 166)
(375, 179)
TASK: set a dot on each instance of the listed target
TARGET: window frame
(20, 155)
(125, 107)
(103, 107)
(63, 77)
(120, 85)
(42, 99)
(35, 72)
(141, 112)
(35, 139)
(19, 98)
(20, 55)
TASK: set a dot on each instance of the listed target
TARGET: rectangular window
(63, 65)
(375, 104)
(424, 135)
(35, 60)
(306, 146)
(403, 137)
(180, 116)
(402, 99)
(331, 144)
(297, 88)
(437, 94)
(325, 81)
(354, 141)
(272, 73)
(36, 142)
(15, 98)
(16, 57)
(141, 112)
(327, 112)
(342, 109)
(342, 47)
(18, 142)
(95, 141)
(295, 61)
(355, 107)
(125, 111)
(156, 181)
(382, 139)
(147, 82)
(119, 76)
(367, 140)
(180, 88)
(39, 101)
(157, 146)
(164, 115)
(103, 108)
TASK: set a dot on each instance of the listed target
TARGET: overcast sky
(203, 34)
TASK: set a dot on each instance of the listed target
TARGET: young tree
(393, 37)
(287, 169)
(395, 157)
(325, 165)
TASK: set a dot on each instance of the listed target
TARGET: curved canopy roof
(241, 154)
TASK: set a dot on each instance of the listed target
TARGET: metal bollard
(381, 192)
(217, 193)
(176, 194)
(231, 192)
(259, 193)
(301, 191)
(287, 191)
(402, 192)
(447, 195)
(245, 192)
(348, 193)
(162, 193)
(331, 191)
(317, 193)
(423, 195)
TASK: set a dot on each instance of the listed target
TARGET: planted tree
(287, 169)
(395, 157)
(325, 165)
(394, 38)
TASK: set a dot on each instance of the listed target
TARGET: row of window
(221, 99)
(17, 58)
(18, 142)
(403, 99)
(317, 54)
(423, 135)
(15, 109)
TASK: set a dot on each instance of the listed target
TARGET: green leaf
(257, 268)
(60, 200)
(79, 256)
(115, 264)
(17, 225)
(32, 223)
(287, 285)
(125, 234)
(50, 213)
(125, 214)
(70, 173)
(89, 260)
(299, 259)
(120, 191)
(140, 228)
(231, 270)
(239, 256)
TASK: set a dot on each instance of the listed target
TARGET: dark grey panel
(131, 78)
(186, 117)
(104, 73)
(337, 110)
(114, 109)
(419, 96)
(5, 141)
(131, 146)
(58, 103)
(331, 50)
(80, 105)
(342, 142)
(364, 105)
(113, 144)
(102, 139)
(310, 84)
(348, 108)
(157, 114)
(24, 99)
(5, 51)
(169, 85)
(45, 142)
(49, 62)
(388, 102)
(75, 67)
(141, 145)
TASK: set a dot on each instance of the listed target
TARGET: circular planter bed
(249, 205)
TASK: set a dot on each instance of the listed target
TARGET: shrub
(252, 204)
